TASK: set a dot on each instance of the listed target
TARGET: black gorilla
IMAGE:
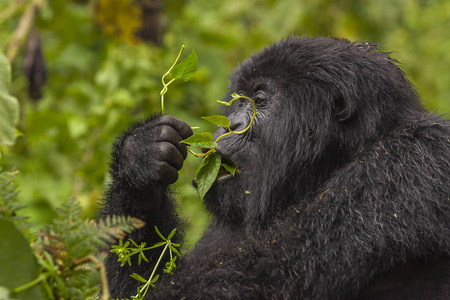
(342, 189)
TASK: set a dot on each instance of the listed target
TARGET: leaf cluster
(68, 263)
(125, 251)
(66, 251)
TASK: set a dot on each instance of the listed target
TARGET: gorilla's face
(318, 102)
(256, 152)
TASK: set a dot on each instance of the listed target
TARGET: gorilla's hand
(151, 153)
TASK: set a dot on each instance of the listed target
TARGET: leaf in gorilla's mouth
(213, 167)
(227, 167)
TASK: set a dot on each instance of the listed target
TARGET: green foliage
(9, 106)
(9, 206)
(183, 70)
(62, 258)
(218, 120)
(124, 253)
(210, 166)
(186, 68)
(207, 173)
(202, 139)
(230, 167)
(18, 262)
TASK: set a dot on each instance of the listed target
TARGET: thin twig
(23, 29)
(100, 267)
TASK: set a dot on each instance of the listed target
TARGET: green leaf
(225, 103)
(172, 234)
(9, 106)
(174, 250)
(154, 279)
(160, 234)
(207, 173)
(203, 139)
(218, 120)
(138, 277)
(159, 244)
(230, 167)
(18, 265)
(186, 68)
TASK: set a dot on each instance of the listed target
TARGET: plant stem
(249, 124)
(30, 284)
(147, 285)
(100, 267)
(212, 150)
(165, 85)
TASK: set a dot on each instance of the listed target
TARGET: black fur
(342, 191)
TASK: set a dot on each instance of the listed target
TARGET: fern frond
(9, 206)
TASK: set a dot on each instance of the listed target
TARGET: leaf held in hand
(186, 68)
(207, 173)
(218, 120)
(203, 139)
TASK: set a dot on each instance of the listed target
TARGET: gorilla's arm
(145, 161)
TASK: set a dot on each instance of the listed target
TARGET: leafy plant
(125, 252)
(210, 166)
(68, 266)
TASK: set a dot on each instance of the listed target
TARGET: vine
(212, 161)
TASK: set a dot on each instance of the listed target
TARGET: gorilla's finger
(165, 173)
(169, 134)
(181, 127)
(169, 153)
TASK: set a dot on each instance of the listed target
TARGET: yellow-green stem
(165, 85)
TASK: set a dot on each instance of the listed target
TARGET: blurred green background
(104, 60)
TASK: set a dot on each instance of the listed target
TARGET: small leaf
(157, 245)
(186, 68)
(138, 277)
(218, 120)
(160, 234)
(154, 279)
(207, 173)
(230, 167)
(143, 256)
(174, 250)
(204, 140)
(172, 234)
(224, 103)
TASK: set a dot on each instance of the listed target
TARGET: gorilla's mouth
(226, 168)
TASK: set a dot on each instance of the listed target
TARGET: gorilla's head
(319, 102)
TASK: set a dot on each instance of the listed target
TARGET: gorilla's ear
(342, 109)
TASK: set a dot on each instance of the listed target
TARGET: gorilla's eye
(260, 97)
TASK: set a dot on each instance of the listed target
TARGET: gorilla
(342, 189)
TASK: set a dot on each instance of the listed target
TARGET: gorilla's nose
(238, 121)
